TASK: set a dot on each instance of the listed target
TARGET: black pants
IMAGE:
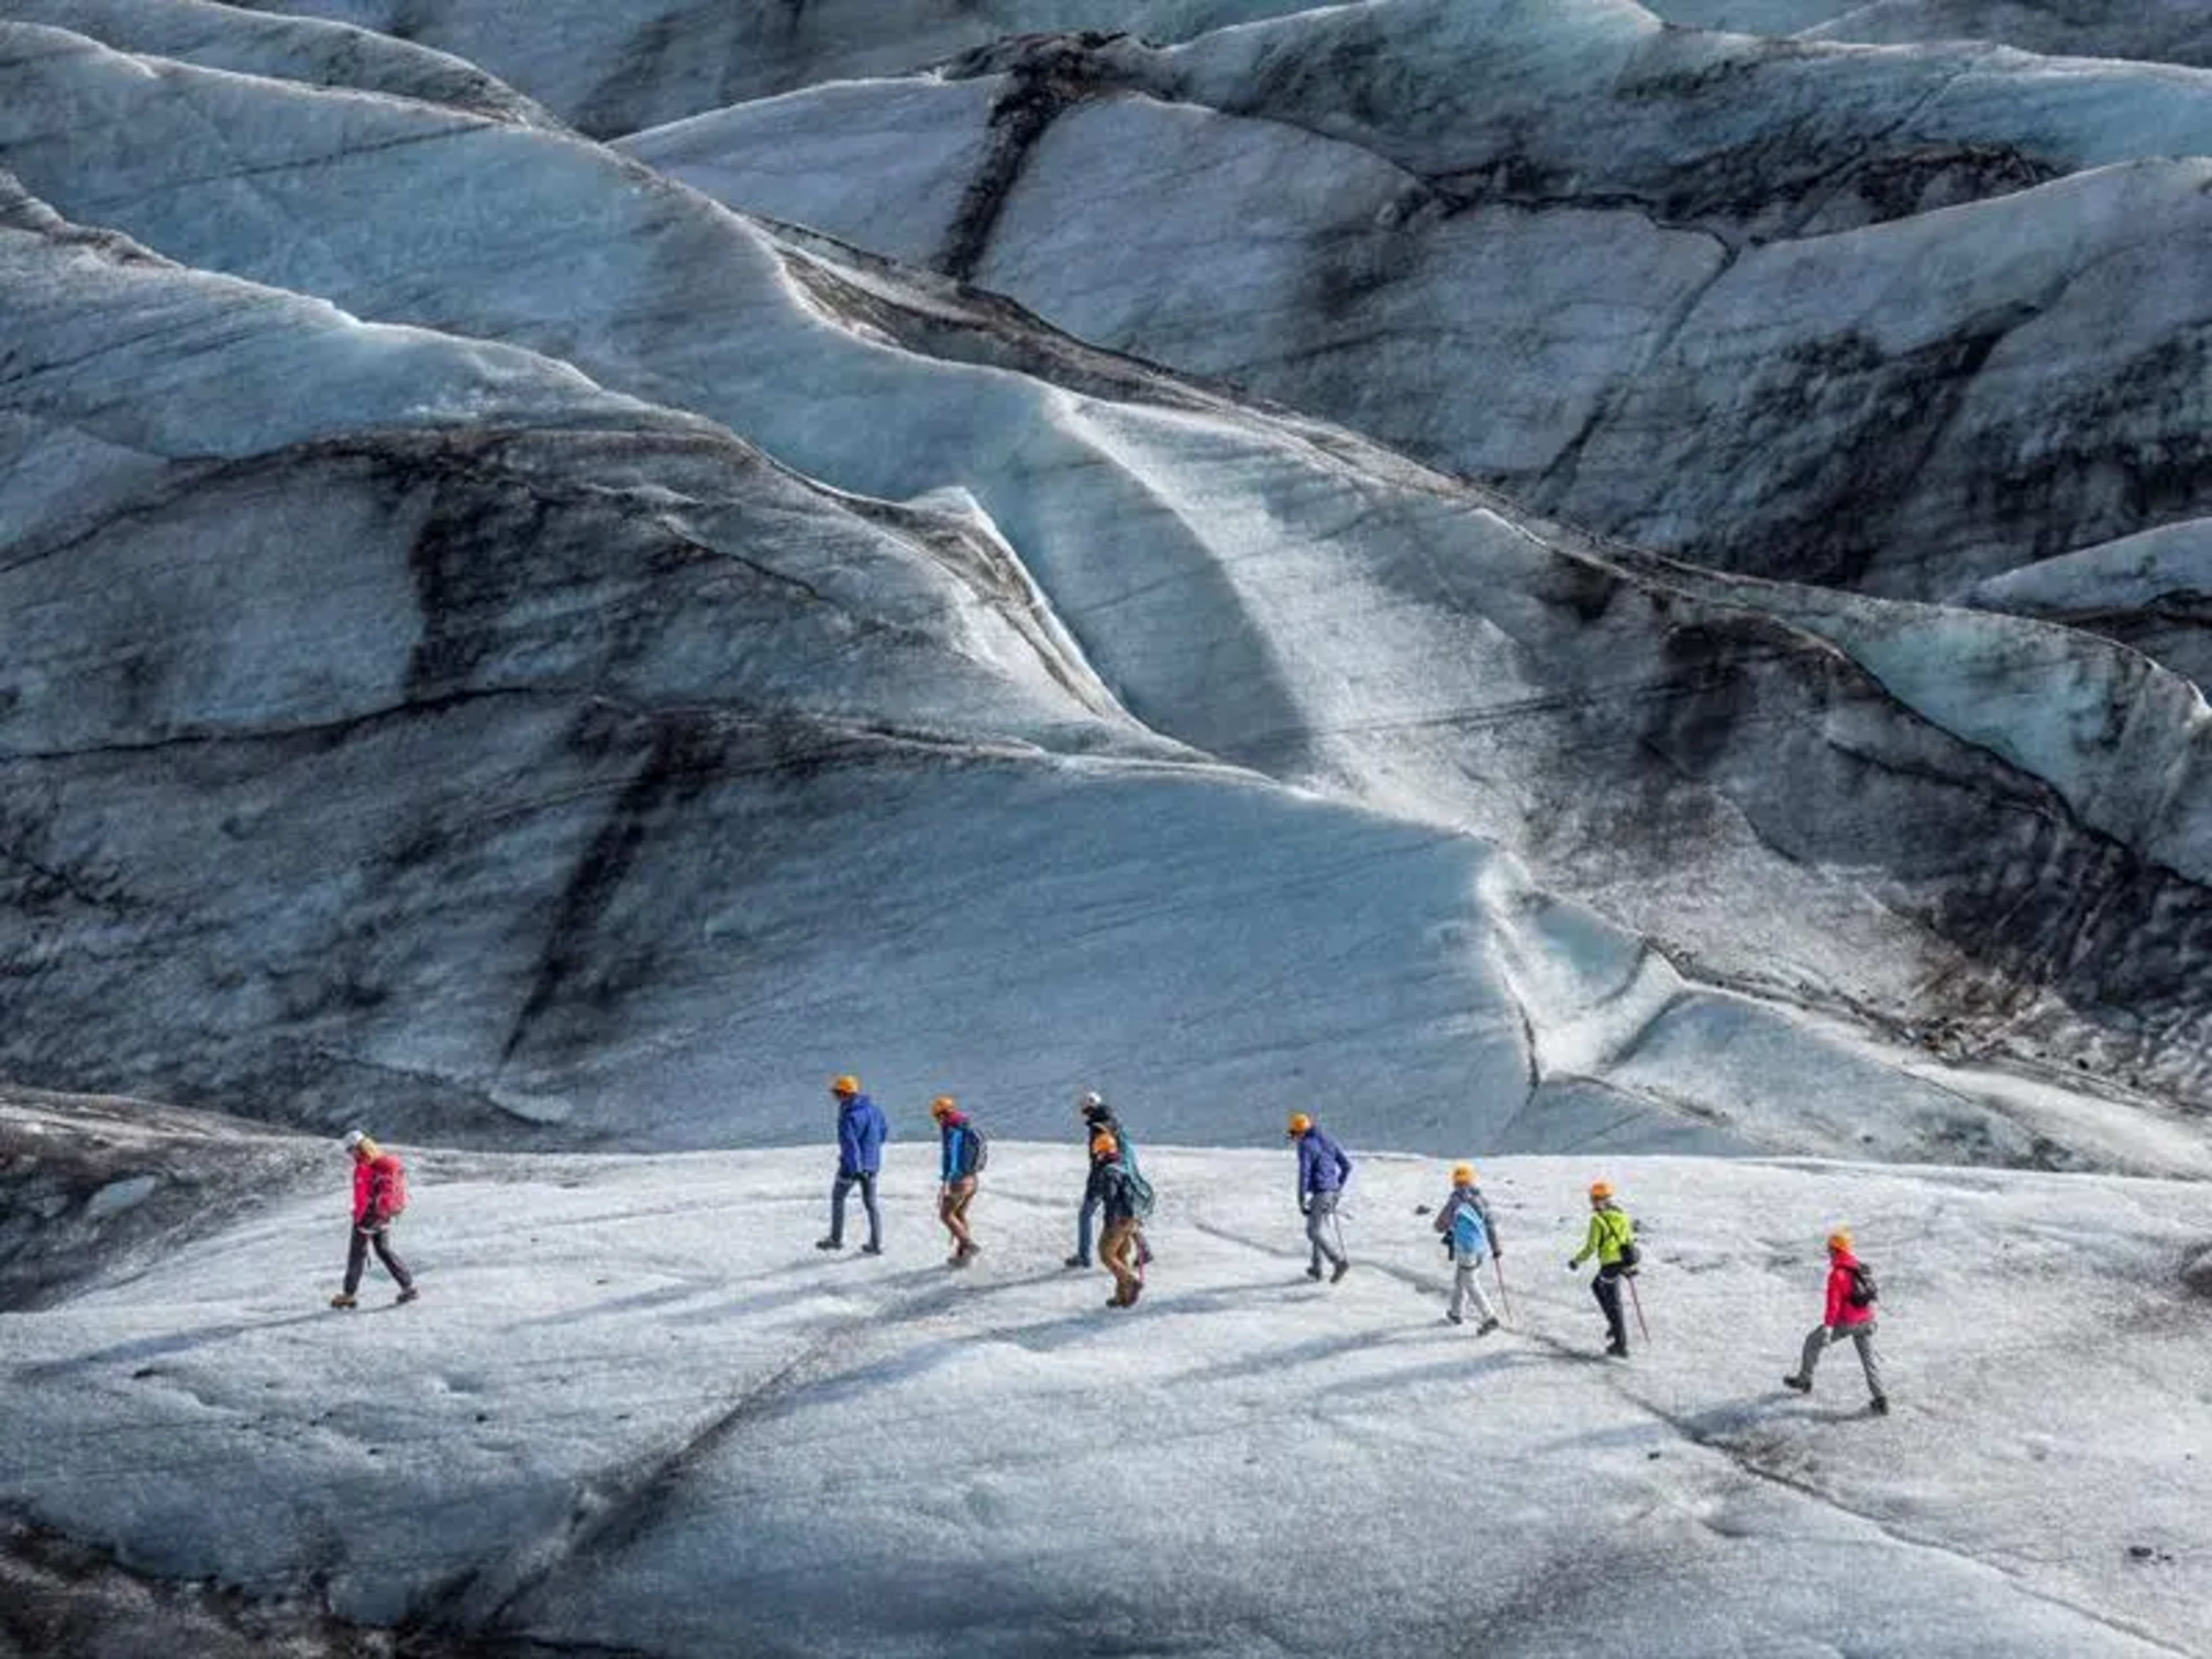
(357, 1258)
(1606, 1287)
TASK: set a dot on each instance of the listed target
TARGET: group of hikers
(1117, 1194)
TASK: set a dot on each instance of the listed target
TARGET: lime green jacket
(1610, 1231)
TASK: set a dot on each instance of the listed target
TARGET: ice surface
(635, 1407)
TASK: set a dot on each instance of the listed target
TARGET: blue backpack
(1466, 1234)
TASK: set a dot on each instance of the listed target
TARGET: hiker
(961, 1150)
(1127, 1198)
(1850, 1312)
(1322, 1170)
(1098, 1117)
(1613, 1241)
(379, 1193)
(861, 1131)
(1472, 1237)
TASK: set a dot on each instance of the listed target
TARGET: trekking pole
(1342, 1254)
(1504, 1300)
(1637, 1302)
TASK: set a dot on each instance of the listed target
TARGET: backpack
(974, 1150)
(1625, 1236)
(1863, 1293)
(1467, 1233)
(1139, 1191)
(394, 1176)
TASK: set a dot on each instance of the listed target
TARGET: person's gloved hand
(1572, 1266)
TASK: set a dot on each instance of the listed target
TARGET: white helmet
(353, 1139)
(1090, 1098)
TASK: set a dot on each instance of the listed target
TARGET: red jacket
(1840, 1311)
(368, 1194)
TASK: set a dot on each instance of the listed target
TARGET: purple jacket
(1322, 1166)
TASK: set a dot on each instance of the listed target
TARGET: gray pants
(837, 1191)
(1320, 1209)
(1816, 1343)
(1466, 1285)
(358, 1260)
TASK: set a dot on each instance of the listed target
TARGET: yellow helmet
(1299, 1124)
(942, 1106)
(1601, 1190)
(1840, 1240)
(846, 1084)
(1462, 1174)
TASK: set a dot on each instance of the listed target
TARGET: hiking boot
(1137, 1290)
(1802, 1384)
(1456, 1319)
(872, 1250)
(1313, 1272)
(1077, 1261)
(1616, 1350)
(345, 1299)
(407, 1294)
(1879, 1405)
(1342, 1268)
(1486, 1328)
(829, 1243)
(1114, 1301)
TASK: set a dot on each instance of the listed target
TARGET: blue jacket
(1322, 1166)
(954, 1148)
(861, 1134)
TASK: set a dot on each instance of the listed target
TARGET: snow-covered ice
(636, 1408)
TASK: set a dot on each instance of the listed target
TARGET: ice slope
(1494, 246)
(1268, 592)
(2162, 31)
(614, 67)
(2146, 589)
(307, 50)
(636, 1410)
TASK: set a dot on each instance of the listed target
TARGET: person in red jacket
(376, 1186)
(1850, 1312)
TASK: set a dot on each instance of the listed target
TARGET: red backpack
(391, 1188)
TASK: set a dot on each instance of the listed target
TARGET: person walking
(861, 1131)
(1127, 1198)
(1472, 1237)
(1850, 1312)
(1098, 1118)
(1612, 1240)
(961, 1149)
(379, 1193)
(1322, 1170)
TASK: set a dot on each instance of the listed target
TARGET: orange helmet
(1840, 1240)
(1601, 1190)
(942, 1106)
(1299, 1124)
(845, 1084)
(1462, 1174)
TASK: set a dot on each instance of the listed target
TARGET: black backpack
(1863, 1292)
(974, 1150)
